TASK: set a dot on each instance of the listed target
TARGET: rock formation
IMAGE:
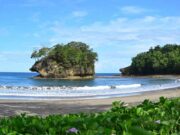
(73, 61)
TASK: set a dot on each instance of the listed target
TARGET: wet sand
(47, 107)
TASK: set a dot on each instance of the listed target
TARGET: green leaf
(139, 131)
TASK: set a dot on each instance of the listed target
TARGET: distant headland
(157, 61)
(74, 60)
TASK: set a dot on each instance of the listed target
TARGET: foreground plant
(148, 118)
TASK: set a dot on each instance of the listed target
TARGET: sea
(104, 85)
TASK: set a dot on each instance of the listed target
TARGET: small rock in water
(112, 87)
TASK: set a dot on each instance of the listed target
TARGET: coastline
(47, 107)
(66, 78)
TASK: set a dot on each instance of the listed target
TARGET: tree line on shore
(158, 60)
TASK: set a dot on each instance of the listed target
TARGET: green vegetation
(72, 60)
(43, 52)
(68, 55)
(158, 60)
(148, 118)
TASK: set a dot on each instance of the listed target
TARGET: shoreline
(47, 107)
(88, 97)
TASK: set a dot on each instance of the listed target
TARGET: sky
(116, 29)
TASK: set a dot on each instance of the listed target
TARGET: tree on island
(158, 60)
(75, 56)
(37, 54)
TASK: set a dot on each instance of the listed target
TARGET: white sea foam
(128, 86)
(80, 92)
(47, 91)
(69, 88)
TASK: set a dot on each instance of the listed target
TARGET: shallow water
(23, 86)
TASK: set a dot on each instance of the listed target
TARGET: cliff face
(48, 68)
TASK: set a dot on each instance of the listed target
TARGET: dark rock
(125, 71)
(48, 68)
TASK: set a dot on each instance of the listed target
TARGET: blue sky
(116, 29)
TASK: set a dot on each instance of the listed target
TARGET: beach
(49, 107)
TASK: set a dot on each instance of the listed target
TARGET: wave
(69, 88)
(64, 92)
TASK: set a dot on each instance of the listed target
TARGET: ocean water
(24, 86)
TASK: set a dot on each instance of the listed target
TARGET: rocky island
(157, 61)
(74, 60)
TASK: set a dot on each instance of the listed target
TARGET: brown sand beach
(46, 107)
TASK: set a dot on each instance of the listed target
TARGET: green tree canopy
(43, 52)
(158, 60)
(68, 55)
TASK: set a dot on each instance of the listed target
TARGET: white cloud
(132, 10)
(79, 14)
(118, 40)
(148, 28)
